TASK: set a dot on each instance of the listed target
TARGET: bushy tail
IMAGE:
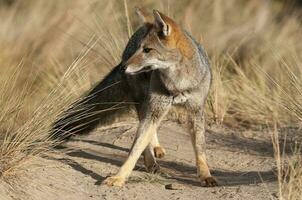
(107, 98)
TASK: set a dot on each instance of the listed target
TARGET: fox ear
(144, 15)
(162, 23)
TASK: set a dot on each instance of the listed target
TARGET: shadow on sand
(181, 172)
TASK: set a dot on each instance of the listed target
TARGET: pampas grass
(51, 52)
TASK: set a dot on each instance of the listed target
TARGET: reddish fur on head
(163, 45)
(177, 38)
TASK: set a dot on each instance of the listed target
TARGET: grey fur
(155, 93)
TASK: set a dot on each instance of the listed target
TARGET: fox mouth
(144, 69)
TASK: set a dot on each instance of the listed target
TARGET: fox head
(162, 47)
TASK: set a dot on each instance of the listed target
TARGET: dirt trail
(243, 164)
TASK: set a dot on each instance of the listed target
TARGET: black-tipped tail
(106, 99)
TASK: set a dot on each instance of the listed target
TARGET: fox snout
(132, 70)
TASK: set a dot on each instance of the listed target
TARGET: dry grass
(51, 52)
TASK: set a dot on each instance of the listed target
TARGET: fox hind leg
(153, 151)
(159, 151)
(150, 160)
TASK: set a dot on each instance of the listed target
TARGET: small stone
(174, 186)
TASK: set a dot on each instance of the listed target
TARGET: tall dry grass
(53, 51)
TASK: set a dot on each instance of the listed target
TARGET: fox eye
(147, 50)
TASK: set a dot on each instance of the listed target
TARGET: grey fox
(162, 67)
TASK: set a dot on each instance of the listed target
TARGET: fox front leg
(198, 141)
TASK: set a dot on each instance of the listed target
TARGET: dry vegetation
(53, 51)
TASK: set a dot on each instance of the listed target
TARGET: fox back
(148, 50)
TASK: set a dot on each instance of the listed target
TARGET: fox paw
(115, 181)
(179, 99)
(159, 152)
(210, 182)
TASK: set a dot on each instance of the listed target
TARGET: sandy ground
(242, 162)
